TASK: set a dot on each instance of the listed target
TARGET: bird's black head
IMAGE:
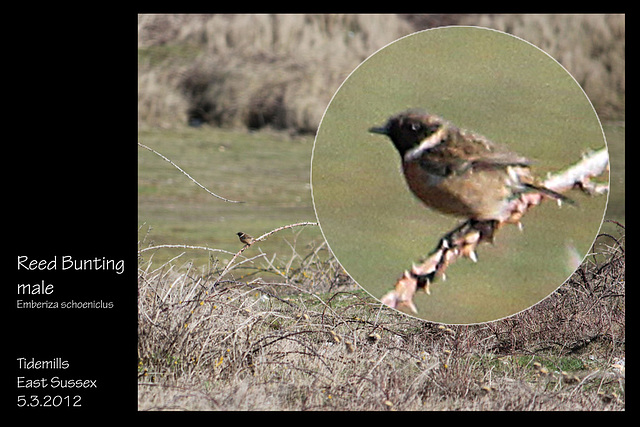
(408, 129)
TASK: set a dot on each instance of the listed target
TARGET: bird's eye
(415, 126)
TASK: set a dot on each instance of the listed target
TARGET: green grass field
(268, 172)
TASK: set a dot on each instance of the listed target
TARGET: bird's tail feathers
(551, 193)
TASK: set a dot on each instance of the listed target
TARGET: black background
(70, 164)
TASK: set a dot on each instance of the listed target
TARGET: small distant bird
(458, 172)
(245, 238)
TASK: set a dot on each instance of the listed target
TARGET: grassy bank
(280, 71)
(311, 342)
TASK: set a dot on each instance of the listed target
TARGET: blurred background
(236, 100)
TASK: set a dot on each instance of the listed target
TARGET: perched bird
(245, 238)
(459, 172)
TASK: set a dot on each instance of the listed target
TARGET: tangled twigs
(463, 240)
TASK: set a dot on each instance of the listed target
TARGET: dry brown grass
(281, 70)
(312, 341)
(252, 70)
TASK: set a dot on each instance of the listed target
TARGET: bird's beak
(381, 130)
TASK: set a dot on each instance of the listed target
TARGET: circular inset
(536, 120)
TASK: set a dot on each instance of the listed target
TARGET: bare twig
(204, 248)
(579, 175)
(187, 175)
(462, 241)
(284, 227)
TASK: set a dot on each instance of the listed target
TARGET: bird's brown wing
(465, 150)
(484, 153)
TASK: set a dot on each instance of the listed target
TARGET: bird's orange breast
(478, 195)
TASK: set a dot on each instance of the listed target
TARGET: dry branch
(187, 175)
(579, 175)
(462, 241)
(181, 246)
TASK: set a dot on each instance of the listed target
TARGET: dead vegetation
(311, 340)
(252, 70)
(280, 71)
